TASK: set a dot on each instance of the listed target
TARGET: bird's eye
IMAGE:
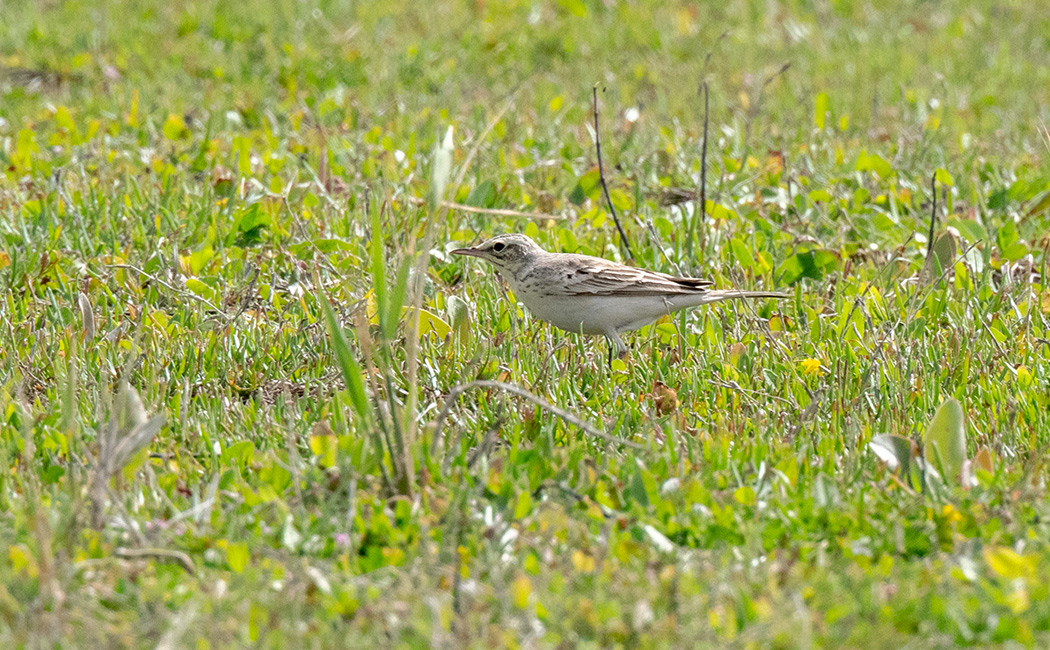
(498, 247)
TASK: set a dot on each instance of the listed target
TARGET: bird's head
(508, 253)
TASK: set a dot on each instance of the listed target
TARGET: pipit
(591, 295)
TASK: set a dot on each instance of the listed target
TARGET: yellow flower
(811, 367)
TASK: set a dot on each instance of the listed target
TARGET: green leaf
(742, 253)
(240, 453)
(620, 200)
(253, 221)
(523, 504)
(483, 196)
(347, 364)
(237, 556)
(820, 196)
(745, 495)
(943, 177)
(874, 163)
(574, 7)
(812, 264)
(944, 443)
(586, 188)
(820, 110)
(970, 229)
(636, 489)
(200, 288)
(174, 128)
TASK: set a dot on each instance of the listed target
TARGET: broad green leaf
(874, 163)
(237, 556)
(814, 264)
(523, 504)
(742, 253)
(943, 177)
(484, 195)
(430, 323)
(620, 200)
(636, 489)
(240, 453)
(970, 229)
(200, 288)
(174, 128)
(587, 187)
(944, 443)
(194, 262)
(745, 495)
(818, 196)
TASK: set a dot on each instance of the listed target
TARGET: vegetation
(249, 398)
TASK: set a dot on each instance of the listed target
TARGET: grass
(225, 218)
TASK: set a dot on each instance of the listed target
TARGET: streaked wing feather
(618, 280)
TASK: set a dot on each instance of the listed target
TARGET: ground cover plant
(249, 399)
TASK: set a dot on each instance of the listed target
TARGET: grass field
(250, 400)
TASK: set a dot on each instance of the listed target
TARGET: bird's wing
(587, 276)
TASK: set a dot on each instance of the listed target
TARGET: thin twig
(163, 554)
(601, 177)
(999, 348)
(754, 110)
(500, 212)
(182, 292)
(535, 399)
(933, 216)
(703, 169)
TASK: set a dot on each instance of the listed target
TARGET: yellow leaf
(1007, 563)
(1018, 600)
(371, 307)
(430, 323)
(820, 110)
(1024, 376)
(983, 459)
(520, 589)
(582, 562)
(21, 560)
(324, 446)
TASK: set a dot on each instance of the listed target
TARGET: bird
(592, 295)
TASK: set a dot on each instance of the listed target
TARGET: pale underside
(587, 295)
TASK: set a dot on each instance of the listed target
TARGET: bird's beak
(472, 252)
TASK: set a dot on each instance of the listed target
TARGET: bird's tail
(717, 295)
